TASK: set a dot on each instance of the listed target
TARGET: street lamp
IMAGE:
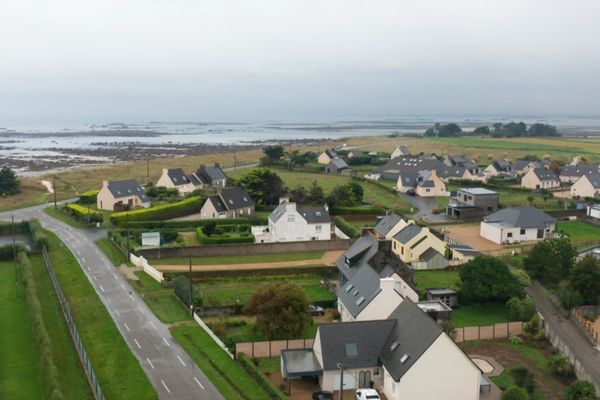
(341, 368)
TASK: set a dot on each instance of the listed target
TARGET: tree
(281, 310)
(264, 185)
(9, 184)
(296, 158)
(580, 390)
(482, 130)
(520, 309)
(357, 190)
(181, 287)
(561, 367)
(316, 195)
(445, 130)
(551, 260)
(530, 200)
(488, 279)
(585, 279)
(568, 296)
(209, 228)
(299, 195)
(274, 153)
(342, 196)
(542, 130)
(532, 328)
(515, 393)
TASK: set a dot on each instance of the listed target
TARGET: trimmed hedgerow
(345, 227)
(163, 211)
(88, 197)
(223, 239)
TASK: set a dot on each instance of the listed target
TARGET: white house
(122, 195)
(593, 211)
(586, 186)
(517, 224)
(400, 151)
(540, 178)
(327, 156)
(176, 178)
(292, 223)
(406, 356)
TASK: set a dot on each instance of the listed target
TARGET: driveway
(168, 367)
(425, 206)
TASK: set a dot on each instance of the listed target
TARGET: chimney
(284, 200)
(165, 171)
(104, 184)
(387, 284)
(217, 164)
(326, 207)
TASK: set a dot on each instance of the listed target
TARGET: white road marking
(101, 288)
(181, 361)
(165, 340)
(108, 299)
(116, 279)
(126, 327)
(163, 383)
(89, 269)
(137, 344)
(198, 382)
(82, 260)
(118, 313)
(122, 286)
(150, 362)
(142, 311)
(96, 279)
(152, 323)
(131, 297)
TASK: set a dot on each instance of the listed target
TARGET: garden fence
(588, 326)
(271, 348)
(66, 310)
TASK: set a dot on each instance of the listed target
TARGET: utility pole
(191, 295)
(54, 189)
(234, 160)
(12, 218)
(341, 367)
(148, 170)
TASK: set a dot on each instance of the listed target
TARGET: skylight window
(403, 358)
(355, 293)
(360, 300)
(230, 201)
(351, 350)
(349, 288)
(394, 346)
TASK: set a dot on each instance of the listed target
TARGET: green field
(437, 279)
(119, 373)
(513, 198)
(21, 375)
(223, 292)
(233, 330)
(579, 231)
(242, 259)
(480, 314)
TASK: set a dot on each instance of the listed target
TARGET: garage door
(349, 381)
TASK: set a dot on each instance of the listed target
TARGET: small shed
(150, 238)
(446, 295)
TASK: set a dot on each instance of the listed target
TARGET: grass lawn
(513, 198)
(235, 330)
(147, 284)
(241, 259)
(225, 292)
(579, 231)
(437, 279)
(201, 348)
(166, 307)
(21, 375)
(112, 252)
(67, 219)
(269, 365)
(119, 372)
(480, 314)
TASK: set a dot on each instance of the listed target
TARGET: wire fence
(66, 310)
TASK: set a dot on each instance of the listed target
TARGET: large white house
(517, 224)
(292, 223)
(406, 356)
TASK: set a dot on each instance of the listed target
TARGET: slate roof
(502, 165)
(441, 291)
(193, 179)
(521, 164)
(451, 172)
(359, 254)
(338, 163)
(217, 203)
(126, 188)
(522, 217)
(408, 178)
(412, 164)
(594, 180)
(407, 233)
(331, 153)
(177, 176)
(360, 290)
(236, 198)
(403, 150)
(544, 174)
(209, 173)
(387, 223)
(579, 170)
(429, 254)
(315, 214)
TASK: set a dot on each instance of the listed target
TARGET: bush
(515, 393)
(520, 309)
(515, 340)
(164, 211)
(580, 390)
(262, 380)
(561, 367)
(7, 252)
(37, 233)
(181, 287)
(89, 197)
(522, 277)
(523, 378)
(187, 225)
(83, 214)
(358, 210)
(568, 296)
(345, 227)
(532, 328)
(488, 279)
(223, 239)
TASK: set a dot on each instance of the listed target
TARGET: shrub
(580, 390)
(358, 210)
(522, 277)
(83, 214)
(515, 340)
(532, 328)
(520, 309)
(515, 393)
(89, 197)
(187, 225)
(223, 239)
(345, 227)
(523, 378)
(262, 380)
(209, 228)
(561, 367)
(164, 211)
(567, 296)
(7, 252)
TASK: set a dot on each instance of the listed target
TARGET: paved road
(570, 334)
(425, 206)
(169, 368)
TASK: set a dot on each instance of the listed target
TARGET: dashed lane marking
(166, 388)
(165, 340)
(150, 362)
(126, 327)
(198, 382)
(137, 344)
(181, 361)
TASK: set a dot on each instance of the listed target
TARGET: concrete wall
(246, 249)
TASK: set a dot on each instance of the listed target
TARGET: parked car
(316, 310)
(411, 192)
(322, 395)
(367, 394)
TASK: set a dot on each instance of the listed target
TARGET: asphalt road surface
(167, 365)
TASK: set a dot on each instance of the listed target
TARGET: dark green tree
(316, 195)
(444, 130)
(264, 185)
(299, 195)
(515, 393)
(585, 279)
(281, 310)
(520, 309)
(357, 190)
(482, 130)
(542, 130)
(580, 390)
(523, 378)
(209, 228)
(274, 153)
(9, 183)
(488, 279)
(342, 196)
(551, 260)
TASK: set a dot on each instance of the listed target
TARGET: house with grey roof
(176, 178)
(472, 203)
(400, 151)
(499, 169)
(211, 175)
(540, 178)
(517, 224)
(231, 202)
(572, 172)
(418, 247)
(290, 222)
(122, 195)
(339, 167)
(326, 156)
(400, 356)
(390, 224)
(586, 186)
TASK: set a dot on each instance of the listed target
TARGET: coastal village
(393, 293)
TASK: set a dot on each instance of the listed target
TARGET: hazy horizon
(72, 62)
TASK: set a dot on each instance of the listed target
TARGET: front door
(540, 233)
(364, 379)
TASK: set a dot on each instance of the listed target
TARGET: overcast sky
(140, 60)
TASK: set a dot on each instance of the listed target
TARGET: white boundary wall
(149, 269)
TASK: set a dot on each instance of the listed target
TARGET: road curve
(170, 370)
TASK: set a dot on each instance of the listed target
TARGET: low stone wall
(149, 269)
(245, 249)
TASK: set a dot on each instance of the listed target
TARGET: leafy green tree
(580, 390)
(264, 185)
(444, 130)
(316, 195)
(274, 153)
(296, 158)
(209, 228)
(299, 195)
(515, 393)
(561, 367)
(9, 184)
(585, 279)
(520, 309)
(568, 296)
(542, 130)
(281, 310)
(488, 279)
(551, 260)
(482, 130)
(357, 190)
(342, 196)
(523, 378)
(532, 327)
(181, 287)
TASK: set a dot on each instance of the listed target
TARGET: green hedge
(83, 214)
(19, 227)
(259, 377)
(164, 211)
(345, 227)
(37, 233)
(358, 210)
(6, 251)
(88, 197)
(187, 225)
(221, 239)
